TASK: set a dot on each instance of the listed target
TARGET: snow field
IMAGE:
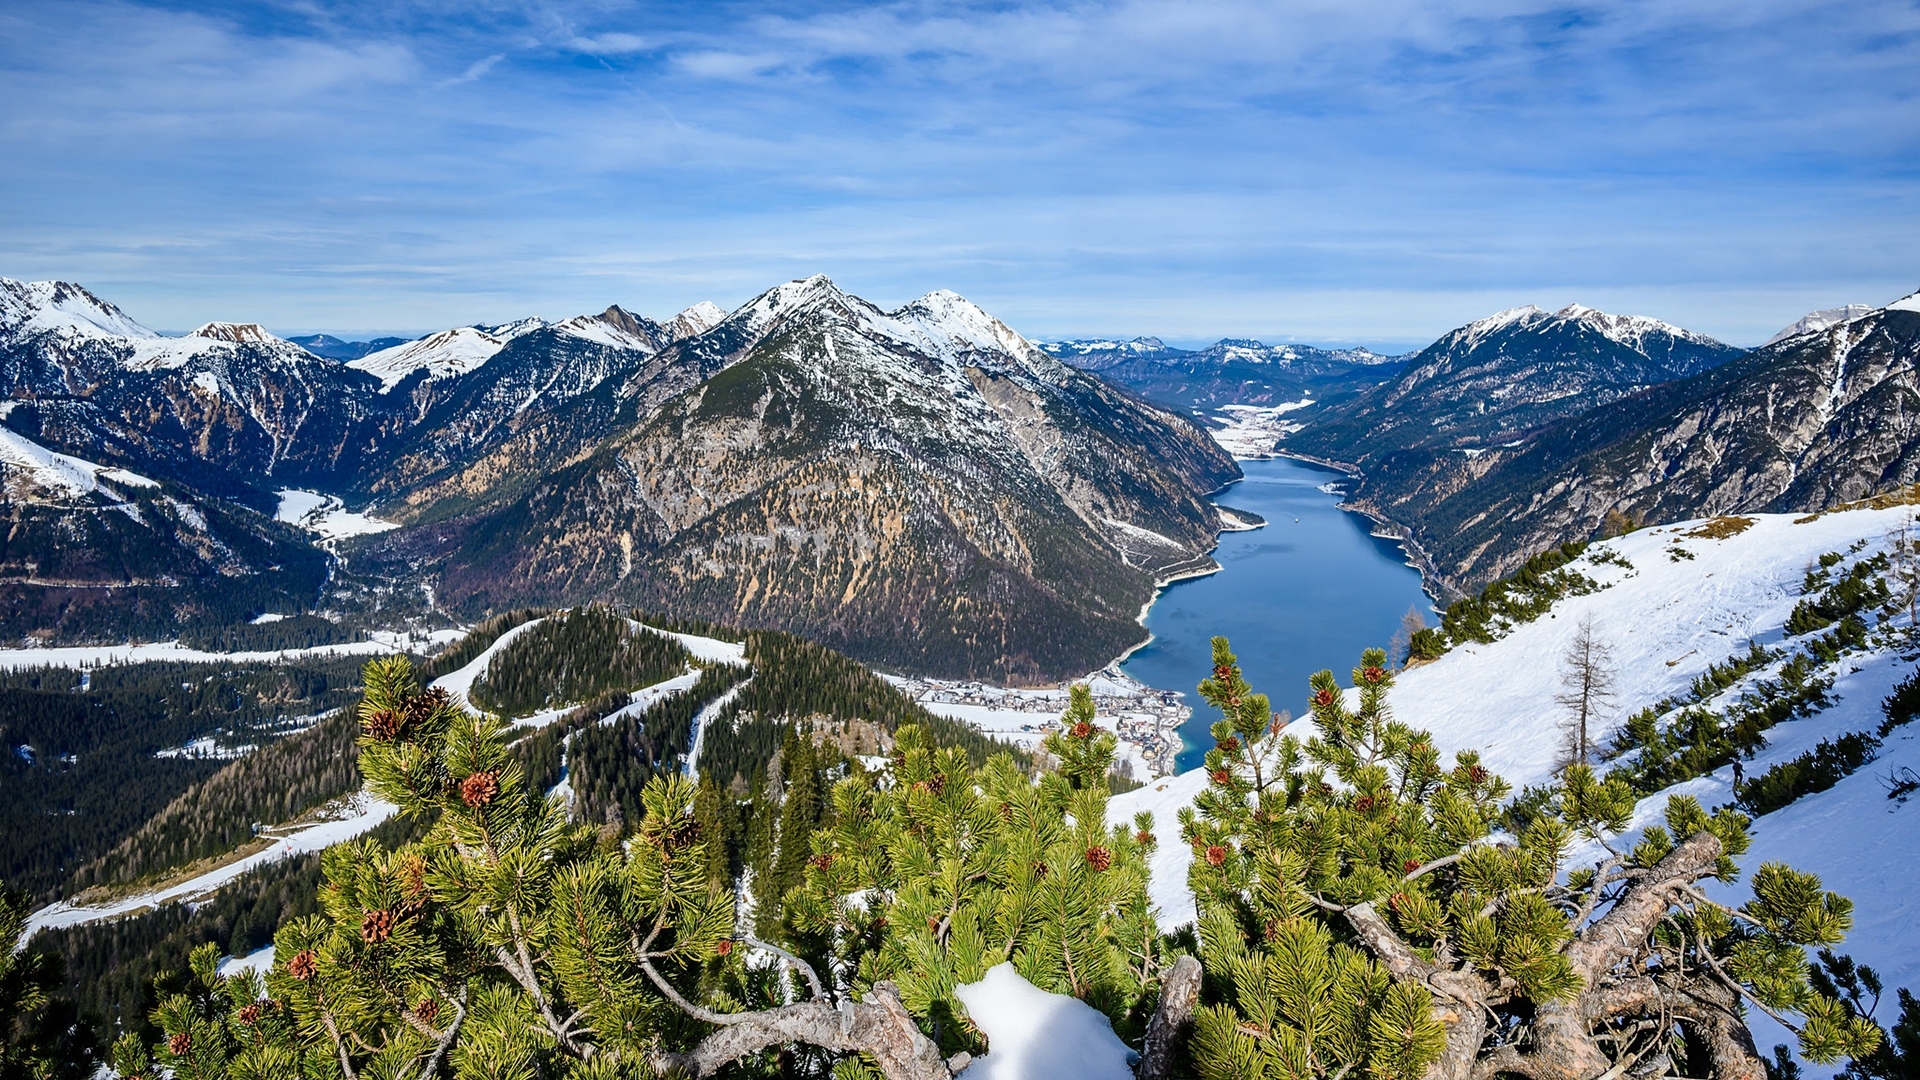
(326, 515)
(1667, 621)
(51, 470)
(379, 643)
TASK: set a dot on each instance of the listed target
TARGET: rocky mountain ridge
(1495, 380)
(917, 486)
(1816, 419)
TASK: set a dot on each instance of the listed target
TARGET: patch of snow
(52, 470)
(326, 515)
(268, 617)
(1167, 866)
(259, 960)
(1909, 302)
(1250, 432)
(1034, 1035)
(443, 355)
(350, 817)
(709, 649)
(93, 656)
(205, 748)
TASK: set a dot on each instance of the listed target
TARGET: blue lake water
(1309, 590)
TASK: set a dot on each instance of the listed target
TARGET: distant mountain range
(1527, 430)
(1232, 371)
(921, 487)
(1496, 380)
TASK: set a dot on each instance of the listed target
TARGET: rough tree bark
(1610, 955)
(1179, 991)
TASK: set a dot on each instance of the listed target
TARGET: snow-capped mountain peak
(235, 333)
(1909, 302)
(1472, 333)
(1816, 321)
(64, 307)
(943, 323)
(695, 320)
(447, 353)
(617, 327)
(507, 331)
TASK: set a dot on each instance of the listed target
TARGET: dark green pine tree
(509, 944)
(41, 1034)
(1358, 914)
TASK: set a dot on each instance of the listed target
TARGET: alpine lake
(1307, 591)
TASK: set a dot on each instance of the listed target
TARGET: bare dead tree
(1903, 550)
(1586, 688)
(1400, 647)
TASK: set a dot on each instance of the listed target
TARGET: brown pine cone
(179, 1044)
(376, 927)
(1216, 855)
(382, 724)
(250, 1014)
(479, 789)
(1099, 858)
(304, 965)
(426, 1010)
(1082, 729)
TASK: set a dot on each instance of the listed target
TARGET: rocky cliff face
(1497, 380)
(1815, 419)
(921, 487)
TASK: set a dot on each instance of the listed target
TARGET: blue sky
(1340, 171)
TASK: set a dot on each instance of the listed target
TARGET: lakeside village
(1147, 720)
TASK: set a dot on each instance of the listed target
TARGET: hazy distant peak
(1815, 321)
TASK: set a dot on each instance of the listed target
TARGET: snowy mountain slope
(815, 463)
(1667, 620)
(57, 473)
(64, 308)
(1815, 321)
(1808, 422)
(442, 355)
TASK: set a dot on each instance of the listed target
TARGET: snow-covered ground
(347, 818)
(1252, 431)
(53, 471)
(326, 515)
(379, 643)
(1034, 1035)
(1667, 618)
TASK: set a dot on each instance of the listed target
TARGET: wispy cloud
(474, 71)
(1358, 170)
